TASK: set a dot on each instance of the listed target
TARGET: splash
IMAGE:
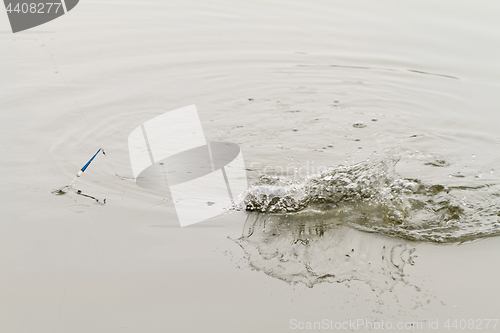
(373, 197)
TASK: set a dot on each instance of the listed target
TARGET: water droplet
(295, 130)
(359, 125)
(457, 174)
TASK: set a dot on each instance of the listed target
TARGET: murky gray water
(370, 133)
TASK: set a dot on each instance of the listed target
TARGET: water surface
(364, 126)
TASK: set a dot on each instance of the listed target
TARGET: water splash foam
(371, 196)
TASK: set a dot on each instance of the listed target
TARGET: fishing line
(75, 100)
(65, 189)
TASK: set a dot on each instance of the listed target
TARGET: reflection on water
(311, 248)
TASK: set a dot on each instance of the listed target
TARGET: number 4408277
(471, 324)
(34, 8)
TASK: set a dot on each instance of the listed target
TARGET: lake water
(371, 139)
